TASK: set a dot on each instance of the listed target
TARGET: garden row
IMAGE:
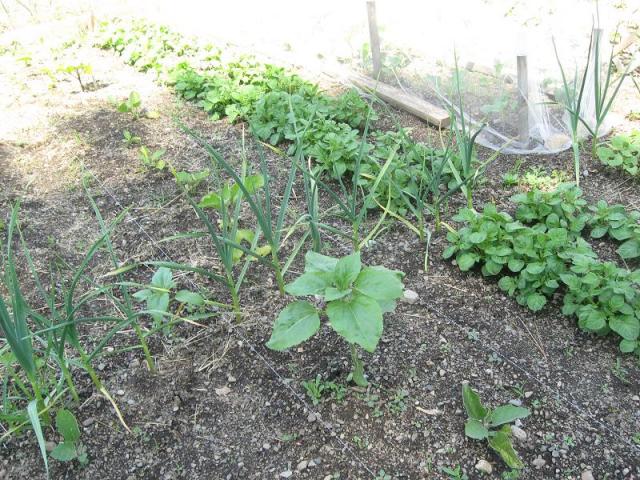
(543, 249)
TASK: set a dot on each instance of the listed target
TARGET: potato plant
(352, 297)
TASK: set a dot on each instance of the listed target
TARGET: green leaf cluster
(617, 223)
(492, 425)
(563, 207)
(70, 448)
(604, 298)
(622, 151)
(159, 294)
(356, 298)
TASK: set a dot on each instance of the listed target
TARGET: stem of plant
(576, 160)
(358, 367)
(278, 270)
(145, 348)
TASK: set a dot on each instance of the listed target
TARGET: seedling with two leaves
(70, 448)
(132, 105)
(152, 159)
(130, 139)
(356, 299)
(483, 424)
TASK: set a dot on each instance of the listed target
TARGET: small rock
(266, 446)
(539, 462)
(410, 296)
(302, 465)
(231, 378)
(484, 466)
(587, 475)
(528, 394)
(442, 373)
(311, 417)
(135, 363)
(120, 392)
(635, 398)
(88, 422)
(520, 434)
(286, 474)
(223, 391)
(49, 446)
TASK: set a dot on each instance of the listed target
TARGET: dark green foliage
(622, 151)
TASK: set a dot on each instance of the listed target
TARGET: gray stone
(286, 474)
(484, 466)
(409, 296)
(539, 462)
(302, 465)
(587, 475)
(518, 433)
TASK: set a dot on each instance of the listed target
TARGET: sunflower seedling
(356, 299)
(483, 424)
(70, 448)
(152, 159)
(130, 139)
(132, 105)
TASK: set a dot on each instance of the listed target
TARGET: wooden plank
(374, 37)
(412, 104)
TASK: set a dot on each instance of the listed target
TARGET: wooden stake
(523, 100)
(374, 37)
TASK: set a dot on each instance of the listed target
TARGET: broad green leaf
(466, 261)
(210, 200)
(64, 452)
(163, 278)
(515, 264)
(67, 426)
(143, 295)
(347, 270)
(535, 268)
(472, 403)
(475, 429)
(535, 301)
(310, 283)
(501, 443)
(332, 293)
(296, 323)
(192, 298)
(316, 262)
(506, 414)
(379, 283)
(591, 319)
(358, 321)
(627, 326)
(628, 346)
(629, 249)
(478, 237)
(160, 303)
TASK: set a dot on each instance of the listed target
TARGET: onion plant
(605, 89)
(572, 102)
(42, 352)
(350, 200)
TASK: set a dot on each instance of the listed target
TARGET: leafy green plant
(622, 151)
(152, 159)
(356, 299)
(454, 473)
(191, 180)
(77, 70)
(615, 222)
(227, 198)
(130, 139)
(70, 448)
(132, 105)
(512, 177)
(563, 207)
(317, 388)
(605, 298)
(483, 424)
(536, 255)
(537, 178)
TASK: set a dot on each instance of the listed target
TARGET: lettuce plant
(354, 299)
(483, 424)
